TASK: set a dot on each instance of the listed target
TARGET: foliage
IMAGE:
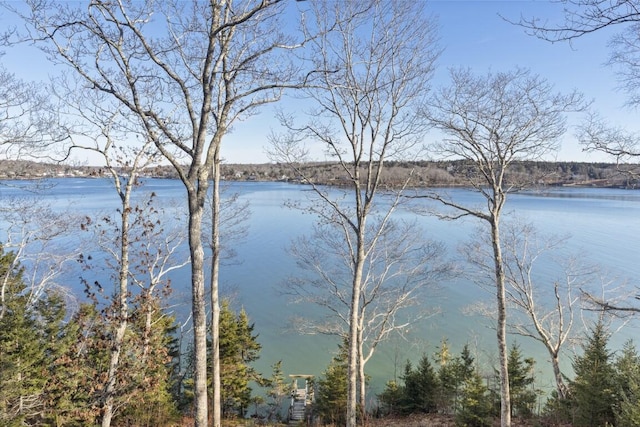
(331, 398)
(452, 373)
(278, 391)
(627, 364)
(391, 398)
(420, 385)
(21, 352)
(521, 383)
(150, 371)
(238, 348)
(475, 403)
(425, 390)
(593, 390)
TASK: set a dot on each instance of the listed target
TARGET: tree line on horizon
(425, 173)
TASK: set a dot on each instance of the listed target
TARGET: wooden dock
(301, 399)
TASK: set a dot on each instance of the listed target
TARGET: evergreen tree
(448, 380)
(75, 379)
(627, 365)
(21, 349)
(593, 390)
(523, 396)
(475, 403)
(331, 398)
(238, 348)
(147, 370)
(278, 391)
(391, 398)
(420, 386)
(70, 373)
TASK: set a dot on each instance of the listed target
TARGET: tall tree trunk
(352, 385)
(503, 354)
(196, 207)
(122, 311)
(561, 387)
(215, 300)
(361, 377)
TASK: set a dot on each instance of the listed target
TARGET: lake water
(604, 225)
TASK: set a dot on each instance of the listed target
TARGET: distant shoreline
(422, 174)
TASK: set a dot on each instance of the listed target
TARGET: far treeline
(418, 173)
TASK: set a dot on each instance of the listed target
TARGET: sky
(472, 34)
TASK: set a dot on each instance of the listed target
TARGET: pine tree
(238, 348)
(521, 380)
(22, 355)
(475, 403)
(73, 387)
(448, 382)
(391, 398)
(593, 390)
(420, 386)
(147, 370)
(627, 365)
(331, 398)
(278, 391)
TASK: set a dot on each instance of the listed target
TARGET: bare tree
(400, 270)
(548, 305)
(34, 232)
(581, 18)
(623, 145)
(187, 71)
(124, 166)
(491, 121)
(370, 74)
(29, 124)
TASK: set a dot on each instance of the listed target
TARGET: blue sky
(472, 34)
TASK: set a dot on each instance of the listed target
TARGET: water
(604, 226)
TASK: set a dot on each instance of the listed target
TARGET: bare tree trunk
(215, 300)
(198, 302)
(501, 327)
(362, 407)
(122, 305)
(561, 387)
(354, 320)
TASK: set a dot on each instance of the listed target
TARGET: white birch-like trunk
(215, 300)
(196, 208)
(501, 327)
(122, 307)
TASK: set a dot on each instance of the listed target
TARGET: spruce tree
(147, 370)
(448, 382)
(238, 348)
(420, 387)
(627, 411)
(391, 398)
(278, 391)
(475, 403)
(70, 393)
(22, 356)
(331, 398)
(593, 390)
(521, 380)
